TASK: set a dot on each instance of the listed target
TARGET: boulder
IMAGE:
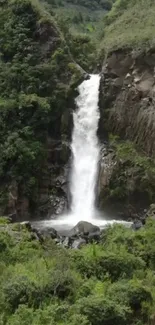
(78, 243)
(50, 233)
(84, 227)
(94, 236)
(27, 225)
(137, 224)
(151, 211)
(67, 242)
(12, 217)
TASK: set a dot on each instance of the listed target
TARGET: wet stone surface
(80, 235)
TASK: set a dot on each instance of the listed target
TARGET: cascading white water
(85, 150)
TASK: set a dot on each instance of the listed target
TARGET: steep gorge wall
(128, 97)
(127, 105)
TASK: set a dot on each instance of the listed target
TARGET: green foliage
(108, 283)
(34, 83)
(94, 261)
(104, 4)
(102, 311)
(82, 17)
(133, 175)
(4, 220)
(129, 24)
(49, 315)
(81, 46)
(141, 165)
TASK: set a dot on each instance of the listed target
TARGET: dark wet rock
(94, 236)
(27, 225)
(84, 227)
(137, 224)
(67, 242)
(83, 233)
(151, 211)
(50, 233)
(107, 166)
(80, 235)
(53, 233)
(57, 240)
(34, 236)
(57, 205)
(12, 217)
(78, 243)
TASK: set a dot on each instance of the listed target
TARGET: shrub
(102, 311)
(95, 261)
(133, 294)
(21, 290)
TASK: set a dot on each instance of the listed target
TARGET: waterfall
(85, 150)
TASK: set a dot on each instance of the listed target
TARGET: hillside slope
(128, 105)
(130, 23)
(81, 16)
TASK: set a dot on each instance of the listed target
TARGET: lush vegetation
(129, 24)
(133, 176)
(82, 16)
(108, 283)
(111, 24)
(92, 5)
(36, 74)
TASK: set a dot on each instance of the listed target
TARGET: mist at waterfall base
(85, 149)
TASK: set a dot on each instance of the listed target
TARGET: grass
(130, 24)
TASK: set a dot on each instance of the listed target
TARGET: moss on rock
(131, 184)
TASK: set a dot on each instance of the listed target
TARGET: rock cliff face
(127, 104)
(128, 97)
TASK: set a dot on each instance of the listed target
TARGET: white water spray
(86, 150)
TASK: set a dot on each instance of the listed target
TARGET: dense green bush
(132, 178)
(133, 294)
(94, 260)
(102, 311)
(35, 79)
(108, 283)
